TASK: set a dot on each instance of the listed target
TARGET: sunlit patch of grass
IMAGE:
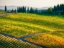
(47, 40)
(61, 34)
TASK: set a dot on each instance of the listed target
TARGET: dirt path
(23, 38)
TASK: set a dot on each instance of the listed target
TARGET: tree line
(58, 9)
(9, 11)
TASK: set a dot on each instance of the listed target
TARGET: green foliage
(50, 10)
(5, 8)
(59, 9)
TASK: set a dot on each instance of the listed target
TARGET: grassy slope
(48, 40)
(22, 24)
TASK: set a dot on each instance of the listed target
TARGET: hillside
(22, 24)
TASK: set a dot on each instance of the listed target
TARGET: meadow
(21, 24)
(2, 12)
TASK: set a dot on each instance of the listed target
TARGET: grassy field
(2, 12)
(48, 40)
(22, 24)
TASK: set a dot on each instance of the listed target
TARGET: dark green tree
(36, 11)
(15, 11)
(5, 8)
(23, 9)
(31, 10)
(62, 8)
(50, 10)
(12, 11)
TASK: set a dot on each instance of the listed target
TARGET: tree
(31, 10)
(12, 11)
(36, 11)
(62, 8)
(15, 11)
(5, 8)
(21, 9)
(50, 10)
(59, 9)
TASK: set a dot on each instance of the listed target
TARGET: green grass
(2, 12)
(22, 24)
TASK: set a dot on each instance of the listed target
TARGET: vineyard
(22, 24)
(48, 40)
(6, 42)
